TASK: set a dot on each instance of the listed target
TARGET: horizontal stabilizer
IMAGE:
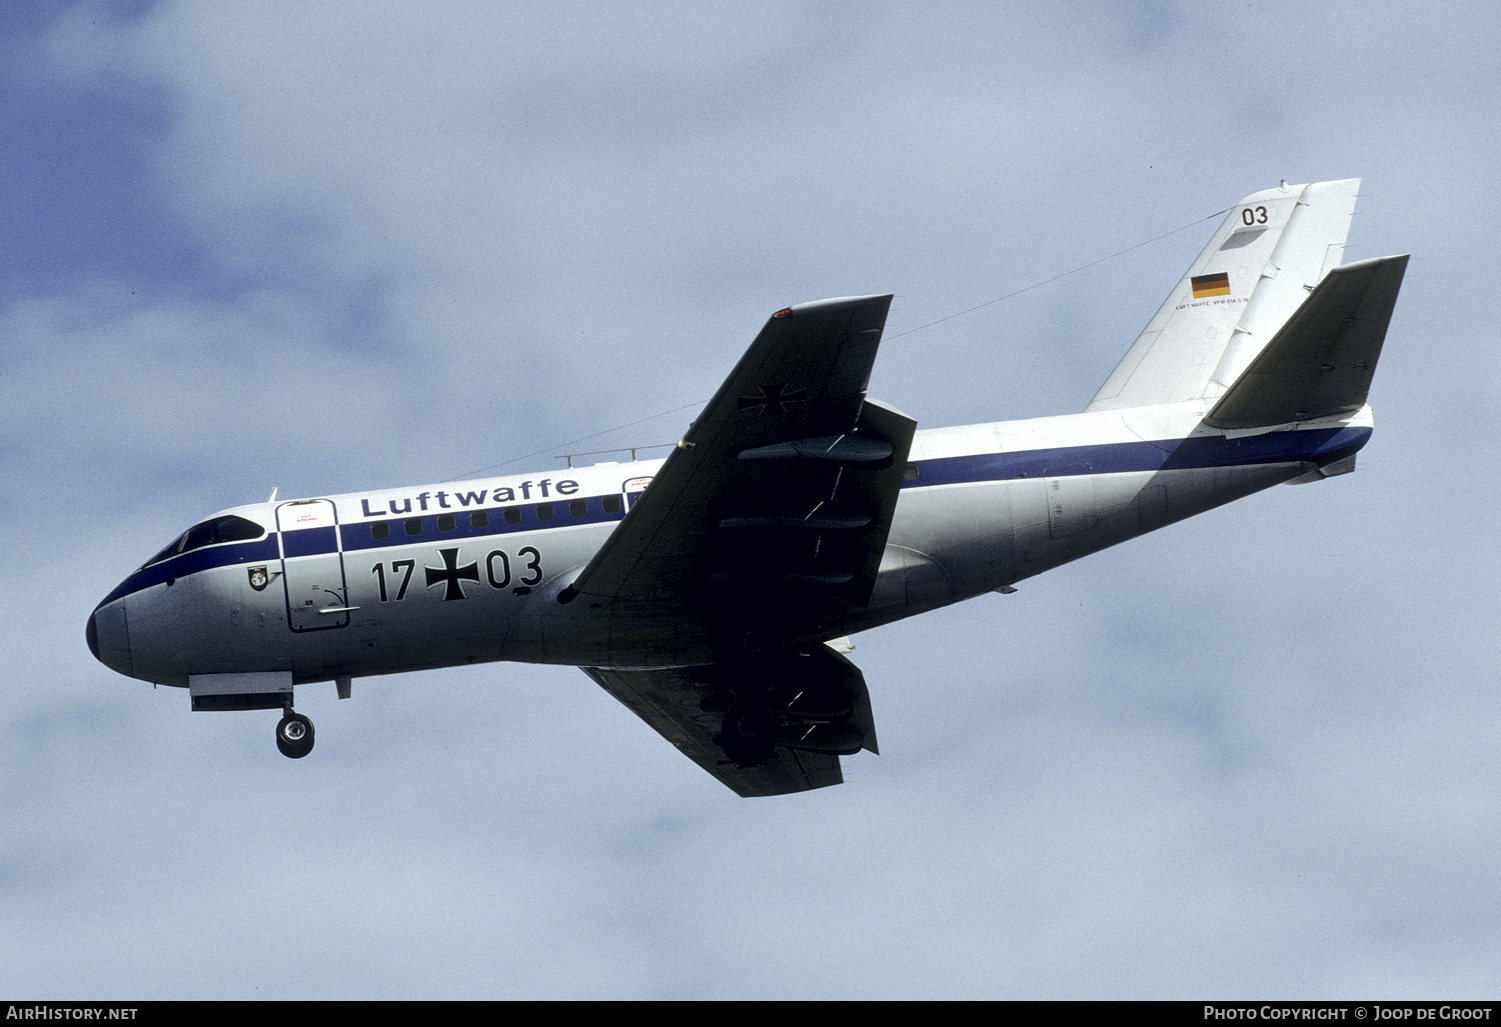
(1320, 363)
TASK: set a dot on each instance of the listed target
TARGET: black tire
(294, 736)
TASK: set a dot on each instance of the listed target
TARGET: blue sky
(331, 247)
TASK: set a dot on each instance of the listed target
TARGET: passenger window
(445, 522)
(611, 504)
(479, 519)
(512, 515)
(413, 525)
(577, 508)
(380, 530)
(544, 511)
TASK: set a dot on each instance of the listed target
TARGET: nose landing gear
(294, 735)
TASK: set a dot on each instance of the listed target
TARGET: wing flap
(818, 520)
(1320, 363)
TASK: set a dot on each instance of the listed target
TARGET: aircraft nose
(108, 637)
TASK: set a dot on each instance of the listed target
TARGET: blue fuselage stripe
(1320, 446)
(308, 541)
(262, 550)
(359, 536)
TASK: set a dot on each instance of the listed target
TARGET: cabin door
(312, 565)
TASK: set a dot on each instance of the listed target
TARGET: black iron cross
(450, 573)
(762, 400)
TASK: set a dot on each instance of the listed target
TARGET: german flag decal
(1210, 285)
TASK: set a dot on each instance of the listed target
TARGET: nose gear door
(312, 562)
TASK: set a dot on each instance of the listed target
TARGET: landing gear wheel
(749, 735)
(294, 736)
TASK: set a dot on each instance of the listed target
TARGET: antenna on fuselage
(272, 497)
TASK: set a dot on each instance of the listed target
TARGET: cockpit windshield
(212, 532)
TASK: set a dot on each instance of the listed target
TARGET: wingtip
(832, 304)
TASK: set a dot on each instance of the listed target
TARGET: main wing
(782, 492)
(766, 523)
(671, 701)
(817, 703)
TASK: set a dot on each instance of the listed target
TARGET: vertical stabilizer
(1270, 252)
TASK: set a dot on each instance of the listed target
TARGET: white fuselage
(438, 575)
